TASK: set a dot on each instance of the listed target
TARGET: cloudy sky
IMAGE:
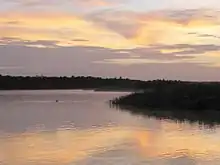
(141, 39)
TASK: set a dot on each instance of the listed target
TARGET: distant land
(175, 95)
(191, 101)
(8, 82)
(74, 82)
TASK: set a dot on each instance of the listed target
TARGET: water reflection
(210, 118)
(112, 144)
(59, 147)
(87, 140)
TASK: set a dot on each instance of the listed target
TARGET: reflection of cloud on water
(111, 145)
(182, 160)
(59, 147)
(182, 145)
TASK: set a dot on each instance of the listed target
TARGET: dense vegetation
(42, 82)
(181, 101)
(170, 95)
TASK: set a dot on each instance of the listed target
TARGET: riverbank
(176, 97)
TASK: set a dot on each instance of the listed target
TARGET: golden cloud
(143, 30)
(162, 27)
(208, 59)
(61, 27)
(116, 31)
(165, 29)
(168, 51)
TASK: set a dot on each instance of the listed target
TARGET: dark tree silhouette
(175, 95)
(80, 82)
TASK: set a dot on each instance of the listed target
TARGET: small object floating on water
(56, 101)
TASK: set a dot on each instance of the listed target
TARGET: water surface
(82, 129)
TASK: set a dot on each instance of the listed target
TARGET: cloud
(157, 37)
(106, 33)
(209, 35)
(186, 49)
(160, 27)
(18, 42)
(135, 61)
(192, 4)
(94, 2)
(46, 26)
(112, 28)
(205, 35)
(201, 55)
(81, 61)
(133, 4)
(50, 3)
(80, 40)
(124, 23)
(10, 67)
(12, 22)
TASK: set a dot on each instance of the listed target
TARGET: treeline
(80, 82)
(175, 96)
(88, 82)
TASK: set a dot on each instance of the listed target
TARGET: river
(75, 127)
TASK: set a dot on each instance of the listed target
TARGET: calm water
(81, 129)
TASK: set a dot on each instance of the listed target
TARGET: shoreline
(80, 90)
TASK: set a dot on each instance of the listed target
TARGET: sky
(138, 39)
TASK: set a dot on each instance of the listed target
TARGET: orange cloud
(146, 30)
(61, 27)
(161, 27)
(112, 30)
(168, 51)
(208, 59)
(156, 29)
